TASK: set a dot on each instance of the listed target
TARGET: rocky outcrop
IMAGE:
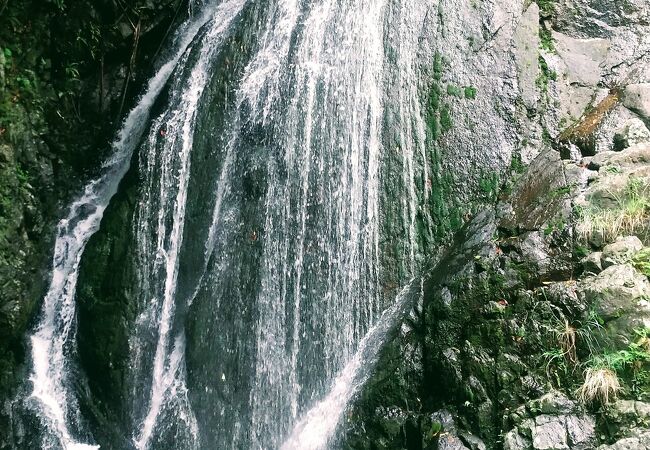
(496, 352)
(501, 345)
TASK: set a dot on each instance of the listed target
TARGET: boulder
(553, 432)
(636, 97)
(640, 440)
(620, 296)
(621, 251)
(616, 291)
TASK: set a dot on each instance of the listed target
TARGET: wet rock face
(536, 306)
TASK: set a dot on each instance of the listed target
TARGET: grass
(603, 375)
(630, 216)
(601, 384)
(566, 337)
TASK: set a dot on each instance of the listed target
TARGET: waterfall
(318, 426)
(50, 353)
(259, 302)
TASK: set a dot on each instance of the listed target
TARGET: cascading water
(257, 246)
(51, 353)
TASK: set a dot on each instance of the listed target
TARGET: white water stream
(50, 352)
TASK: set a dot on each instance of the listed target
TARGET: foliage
(546, 7)
(642, 261)
(631, 363)
(546, 40)
(545, 75)
(454, 91)
(446, 122)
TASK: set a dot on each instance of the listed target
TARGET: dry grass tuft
(601, 384)
(630, 216)
(566, 337)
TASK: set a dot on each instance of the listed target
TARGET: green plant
(454, 91)
(642, 261)
(516, 164)
(546, 40)
(446, 122)
(580, 251)
(554, 225)
(546, 7)
(545, 75)
(629, 364)
(489, 185)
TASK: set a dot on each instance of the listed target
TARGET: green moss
(489, 186)
(516, 165)
(642, 261)
(545, 75)
(546, 7)
(446, 122)
(470, 92)
(546, 40)
(454, 91)
(437, 66)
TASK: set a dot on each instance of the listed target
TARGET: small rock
(581, 431)
(592, 263)
(515, 441)
(451, 442)
(620, 295)
(621, 251)
(553, 402)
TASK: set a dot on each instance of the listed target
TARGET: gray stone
(640, 440)
(621, 251)
(515, 441)
(620, 296)
(2, 71)
(553, 402)
(550, 433)
(637, 154)
(531, 199)
(583, 58)
(451, 442)
(592, 263)
(581, 431)
(526, 44)
(633, 132)
(616, 291)
(636, 97)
